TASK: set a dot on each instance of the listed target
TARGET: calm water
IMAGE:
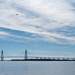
(37, 68)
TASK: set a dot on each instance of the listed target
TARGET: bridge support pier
(2, 55)
(26, 57)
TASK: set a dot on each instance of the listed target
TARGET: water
(37, 68)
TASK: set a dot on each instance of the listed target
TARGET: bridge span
(26, 57)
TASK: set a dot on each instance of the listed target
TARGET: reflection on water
(37, 68)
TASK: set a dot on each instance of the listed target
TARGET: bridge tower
(26, 54)
(2, 55)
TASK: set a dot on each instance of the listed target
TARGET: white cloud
(51, 15)
(12, 37)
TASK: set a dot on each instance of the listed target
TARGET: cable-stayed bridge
(23, 56)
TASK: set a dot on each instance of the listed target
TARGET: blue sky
(43, 27)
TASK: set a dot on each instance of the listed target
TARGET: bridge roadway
(27, 57)
(31, 58)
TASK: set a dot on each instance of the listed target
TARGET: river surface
(37, 67)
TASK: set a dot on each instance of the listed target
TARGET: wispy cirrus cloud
(11, 37)
(39, 18)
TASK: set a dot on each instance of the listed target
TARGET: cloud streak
(39, 18)
(12, 37)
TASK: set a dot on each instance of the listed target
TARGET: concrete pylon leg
(2, 55)
(26, 54)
